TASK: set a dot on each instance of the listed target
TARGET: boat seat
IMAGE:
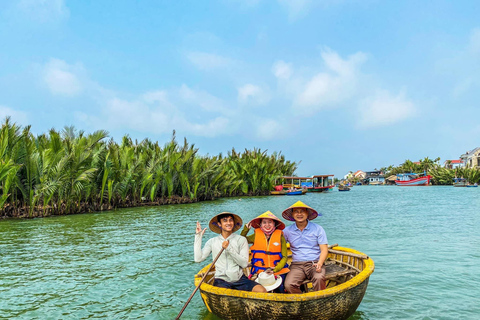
(333, 273)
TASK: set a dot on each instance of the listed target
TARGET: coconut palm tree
(71, 171)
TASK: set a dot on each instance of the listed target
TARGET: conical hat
(312, 213)
(255, 223)
(214, 224)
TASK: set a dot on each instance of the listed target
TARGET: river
(138, 263)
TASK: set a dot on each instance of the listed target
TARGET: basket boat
(347, 273)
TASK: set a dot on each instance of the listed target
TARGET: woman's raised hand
(199, 229)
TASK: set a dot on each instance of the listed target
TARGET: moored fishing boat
(322, 183)
(348, 272)
(296, 192)
(288, 192)
(293, 182)
(278, 192)
(459, 182)
(412, 179)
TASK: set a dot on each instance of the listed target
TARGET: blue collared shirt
(305, 245)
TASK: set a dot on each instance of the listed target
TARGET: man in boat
(228, 268)
(269, 249)
(309, 246)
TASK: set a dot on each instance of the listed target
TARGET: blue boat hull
(294, 193)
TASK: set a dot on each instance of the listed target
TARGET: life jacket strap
(255, 260)
(255, 269)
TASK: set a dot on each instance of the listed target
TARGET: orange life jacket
(266, 254)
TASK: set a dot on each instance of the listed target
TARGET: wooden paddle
(201, 281)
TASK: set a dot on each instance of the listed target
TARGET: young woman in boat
(230, 264)
(269, 249)
(309, 246)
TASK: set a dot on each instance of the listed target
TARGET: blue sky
(338, 85)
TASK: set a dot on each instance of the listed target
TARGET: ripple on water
(138, 263)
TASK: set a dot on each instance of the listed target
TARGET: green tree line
(70, 171)
(440, 175)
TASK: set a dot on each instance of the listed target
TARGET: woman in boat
(269, 249)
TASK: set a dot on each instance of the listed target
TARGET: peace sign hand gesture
(199, 229)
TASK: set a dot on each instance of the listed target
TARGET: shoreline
(83, 208)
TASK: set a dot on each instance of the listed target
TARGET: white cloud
(208, 61)
(345, 68)
(321, 91)
(268, 129)
(160, 96)
(295, 8)
(328, 89)
(16, 116)
(252, 94)
(136, 115)
(202, 99)
(282, 70)
(340, 85)
(44, 10)
(62, 78)
(212, 128)
(153, 112)
(384, 109)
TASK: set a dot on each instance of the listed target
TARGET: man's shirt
(233, 259)
(305, 244)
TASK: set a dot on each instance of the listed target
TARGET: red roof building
(452, 164)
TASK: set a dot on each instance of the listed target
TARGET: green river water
(138, 263)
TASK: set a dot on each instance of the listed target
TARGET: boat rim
(369, 266)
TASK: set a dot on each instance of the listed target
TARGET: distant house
(374, 177)
(360, 174)
(471, 158)
(452, 164)
(348, 176)
(391, 179)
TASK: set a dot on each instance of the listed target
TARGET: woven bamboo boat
(347, 273)
(278, 192)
